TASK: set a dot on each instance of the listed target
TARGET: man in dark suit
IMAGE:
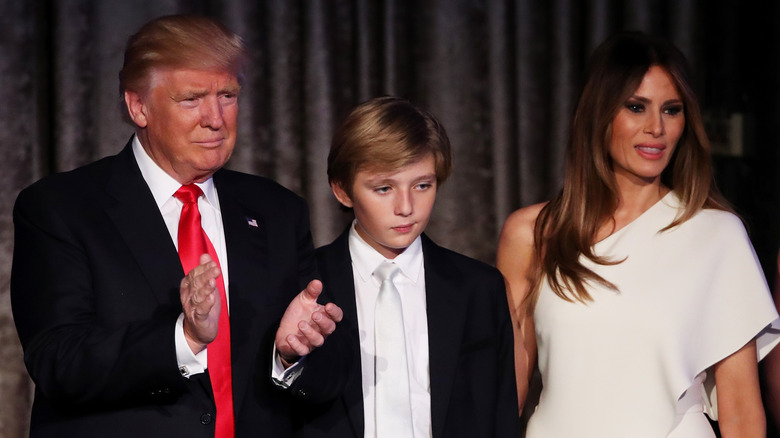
(117, 340)
(450, 371)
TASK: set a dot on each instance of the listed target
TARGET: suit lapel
(443, 307)
(137, 218)
(335, 266)
(246, 244)
(446, 313)
(141, 226)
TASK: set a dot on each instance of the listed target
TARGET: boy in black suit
(435, 339)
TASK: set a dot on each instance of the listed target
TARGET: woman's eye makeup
(673, 109)
(635, 107)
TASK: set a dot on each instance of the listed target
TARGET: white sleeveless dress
(635, 363)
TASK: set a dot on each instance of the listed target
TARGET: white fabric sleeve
(737, 307)
(189, 363)
(285, 378)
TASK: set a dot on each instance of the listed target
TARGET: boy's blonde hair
(385, 134)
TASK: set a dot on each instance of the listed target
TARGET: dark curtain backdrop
(501, 75)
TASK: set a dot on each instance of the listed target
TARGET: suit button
(205, 419)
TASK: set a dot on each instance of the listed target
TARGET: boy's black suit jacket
(471, 348)
(95, 298)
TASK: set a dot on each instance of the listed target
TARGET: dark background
(502, 76)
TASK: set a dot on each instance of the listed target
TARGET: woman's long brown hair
(566, 227)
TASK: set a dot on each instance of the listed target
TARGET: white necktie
(393, 405)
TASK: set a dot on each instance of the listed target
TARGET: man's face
(187, 121)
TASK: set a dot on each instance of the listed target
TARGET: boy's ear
(341, 195)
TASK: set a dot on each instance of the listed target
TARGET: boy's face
(392, 208)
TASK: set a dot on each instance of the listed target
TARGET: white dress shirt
(163, 186)
(411, 287)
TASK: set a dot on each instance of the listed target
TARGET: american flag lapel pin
(251, 222)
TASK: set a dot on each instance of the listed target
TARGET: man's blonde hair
(180, 42)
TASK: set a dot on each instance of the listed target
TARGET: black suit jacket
(95, 298)
(470, 340)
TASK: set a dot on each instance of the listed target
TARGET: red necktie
(193, 242)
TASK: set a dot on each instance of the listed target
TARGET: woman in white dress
(771, 371)
(636, 290)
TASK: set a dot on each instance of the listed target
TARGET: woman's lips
(650, 151)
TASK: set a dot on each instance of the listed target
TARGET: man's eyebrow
(230, 89)
(189, 94)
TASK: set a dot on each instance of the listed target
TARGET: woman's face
(646, 129)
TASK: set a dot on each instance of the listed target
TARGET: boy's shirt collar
(366, 259)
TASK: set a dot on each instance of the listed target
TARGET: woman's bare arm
(514, 258)
(740, 410)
